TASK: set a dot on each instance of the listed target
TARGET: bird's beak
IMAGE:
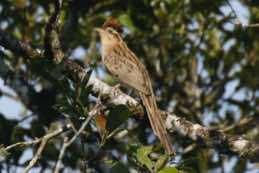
(99, 30)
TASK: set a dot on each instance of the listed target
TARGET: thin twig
(37, 155)
(61, 155)
(66, 143)
(38, 140)
(80, 130)
(255, 25)
(70, 122)
(9, 95)
(234, 12)
(44, 140)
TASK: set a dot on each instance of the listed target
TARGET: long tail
(157, 122)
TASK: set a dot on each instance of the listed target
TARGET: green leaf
(86, 78)
(169, 170)
(84, 95)
(118, 167)
(66, 86)
(160, 163)
(81, 86)
(117, 115)
(142, 157)
(126, 20)
(202, 162)
(66, 108)
(3, 152)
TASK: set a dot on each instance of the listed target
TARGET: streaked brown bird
(122, 63)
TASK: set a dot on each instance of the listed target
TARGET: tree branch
(201, 135)
(37, 155)
(213, 138)
(52, 44)
(61, 155)
(67, 142)
(18, 47)
(43, 142)
(38, 140)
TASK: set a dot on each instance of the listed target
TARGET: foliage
(203, 66)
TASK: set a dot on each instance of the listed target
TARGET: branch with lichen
(201, 135)
(52, 43)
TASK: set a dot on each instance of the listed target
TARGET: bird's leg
(117, 86)
(130, 91)
(116, 89)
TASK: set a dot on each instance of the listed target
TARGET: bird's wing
(128, 71)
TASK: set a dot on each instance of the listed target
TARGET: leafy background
(200, 54)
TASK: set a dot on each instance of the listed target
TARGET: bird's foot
(116, 89)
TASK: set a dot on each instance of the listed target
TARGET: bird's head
(108, 35)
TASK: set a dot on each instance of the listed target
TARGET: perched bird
(122, 63)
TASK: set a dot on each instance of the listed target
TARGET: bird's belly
(127, 72)
(117, 65)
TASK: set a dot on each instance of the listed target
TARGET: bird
(124, 65)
